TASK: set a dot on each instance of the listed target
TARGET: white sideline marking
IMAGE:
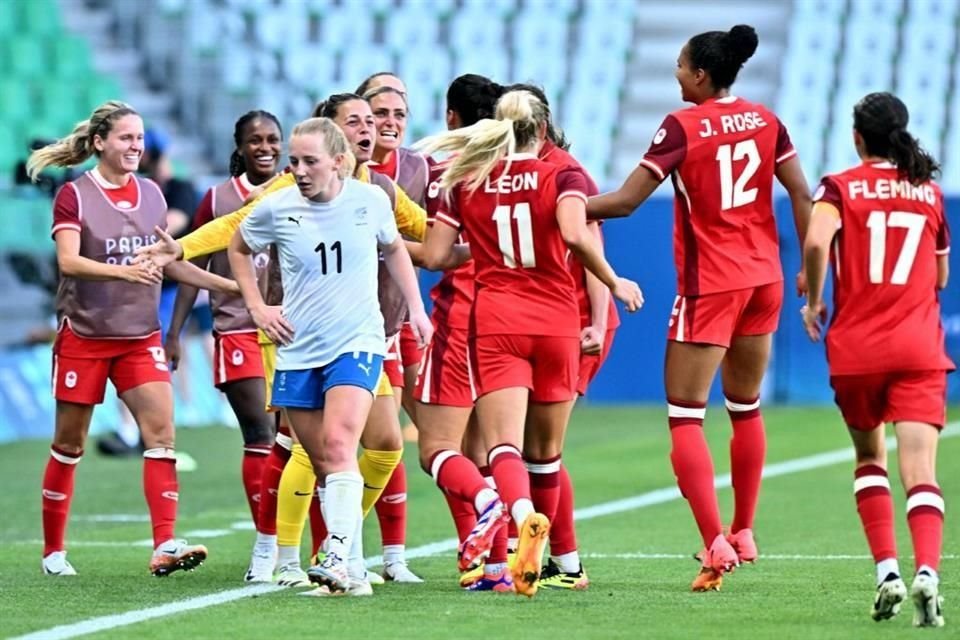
(651, 498)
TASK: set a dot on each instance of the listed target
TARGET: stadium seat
(27, 55)
(310, 67)
(536, 32)
(38, 17)
(16, 100)
(283, 28)
(413, 30)
(480, 61)
(355, 66)
(347, 27)
(60, 105)
(71, 57)
(478, 31)
(547, 72)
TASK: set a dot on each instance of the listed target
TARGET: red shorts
(81, 366)
(547, 365)
(717, 318)
(410, 353)
(236, 356)
(869, 400)
(445, 377)
(392, 362)
(590, 365)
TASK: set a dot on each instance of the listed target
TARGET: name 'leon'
(508, 183)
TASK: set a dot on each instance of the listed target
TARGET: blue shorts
(306, 388)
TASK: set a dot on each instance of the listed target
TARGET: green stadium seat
(16, 101)
(11, 150)
(60, 105)
(39, 17)
(71, 56)
(98, 90)
(27, 56)
(8, 20)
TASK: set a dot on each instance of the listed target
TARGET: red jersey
(523, 285)
(721, 156)
(886, 313)
(452, 296)
(553, 154)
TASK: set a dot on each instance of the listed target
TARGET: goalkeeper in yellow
(382, 441)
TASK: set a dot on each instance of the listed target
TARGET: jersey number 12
(735, 194)
(503, 215)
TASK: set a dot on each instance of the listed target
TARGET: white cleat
(332, 573)
(292, 576)
(358, 587)
(56, 564)
(400, 572)
(927, 601)
(374, 578)
(890, 593)
(262, 563)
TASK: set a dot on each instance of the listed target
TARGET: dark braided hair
(473, 97)
(722, 53)
(881, 120)
(365, 85)
(237, 164)
(328, 108)
(554, 133)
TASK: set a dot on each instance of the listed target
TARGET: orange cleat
(176, 555)
(526, 567)
(719, 559)
(743, 543)
(707, 580)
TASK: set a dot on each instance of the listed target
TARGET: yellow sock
(376, 467)
(293, 498)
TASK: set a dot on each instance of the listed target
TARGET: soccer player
(884, 224)
(520, 215)
(108, 324)
(598, 324)
(330, 329)
(721, 154)
(408, 169)
(444, 394)
(238, 365)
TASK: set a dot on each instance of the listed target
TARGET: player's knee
(256, 430)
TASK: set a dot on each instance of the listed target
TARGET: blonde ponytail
(334, 141)
(482, 145)
(78, 146)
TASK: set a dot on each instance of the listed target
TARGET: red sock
(925, 517)
(456, 475)
(871, 488)
(510, 474)
(392, 508)
(545, 485)
(251, 471)
(498, 550)
(269, 483)
(748, 448)
(563, 537)
(162, 492)
(57, 492)
(693, 466)
(463, 514)
(318, 526)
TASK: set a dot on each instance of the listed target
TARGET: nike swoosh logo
(394, 499)
(54, 495)
(300, 493)
(366, 486)
(170, 495)
(273, 492)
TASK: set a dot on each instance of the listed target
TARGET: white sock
(568, 562)
(266, 541)
(930, 571)
(494, 568)
(512, 544)
(394, 553)
(356, 566)
(288, 556)
(520, 510)
(886, 567)
(343, 495)
(483, 499)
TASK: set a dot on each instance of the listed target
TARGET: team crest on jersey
(237, 357)
(360, 216)
(434, 189)
(660, 135)
(70, 379)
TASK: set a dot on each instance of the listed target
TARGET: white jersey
(328, 262)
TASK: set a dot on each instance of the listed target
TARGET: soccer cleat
(292, 576)
(499, 583)
(374, 578)
(526, 567)
(890, 593)
(332, 572)
(719, 559)
(469, 577)
(56, 564)
(262, 564)
(552, 577)
(358, 587)
(477, 544)
(399, 572)
(176, 555)
(927, 601)
(744, 545)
